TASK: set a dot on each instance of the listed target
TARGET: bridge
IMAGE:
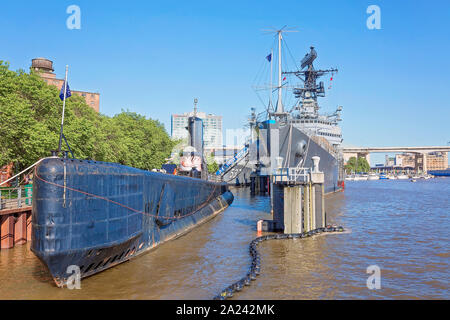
(421, 151)
(396, 149)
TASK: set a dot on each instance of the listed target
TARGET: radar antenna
(309, 76)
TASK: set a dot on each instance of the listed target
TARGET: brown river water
(400, 226)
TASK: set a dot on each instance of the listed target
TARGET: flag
(284, 78)
(269, 57)
(68, 93)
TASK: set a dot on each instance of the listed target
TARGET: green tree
(351, 165)
(211, 163)
(362, 165)
(357, 165)
(30, 115)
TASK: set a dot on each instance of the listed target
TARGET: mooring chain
(256, 259)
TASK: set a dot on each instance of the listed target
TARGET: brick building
(45, 69)
(437, 160)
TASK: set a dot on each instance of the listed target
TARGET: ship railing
(231, 162)
(291, 175)
(313, 136)
(15, 198)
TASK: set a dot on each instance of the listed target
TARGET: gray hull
(294, 146)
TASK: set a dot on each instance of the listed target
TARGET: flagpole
(271, 76)
(64, 107)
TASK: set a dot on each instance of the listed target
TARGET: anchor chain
(255, 267)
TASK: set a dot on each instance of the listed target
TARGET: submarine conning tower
(195, 129)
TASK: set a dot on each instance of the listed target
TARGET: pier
(15, 216)
(298, 200)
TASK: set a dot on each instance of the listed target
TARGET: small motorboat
(373, 176)
(350, 178)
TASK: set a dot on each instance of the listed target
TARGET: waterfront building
(405, 159)
(212, 125)
(44, 68)
(437, 160)
(389, 161)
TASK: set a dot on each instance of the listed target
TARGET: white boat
(350, 177)
(391, 177)
(402, 177)
(373, 176)
(360, 177)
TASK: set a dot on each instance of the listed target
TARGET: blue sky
(155, 57)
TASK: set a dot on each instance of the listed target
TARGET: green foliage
(351, 165)
(357, 165)
(362, 165)
(213, 167)
(30, 115)
(211, 163)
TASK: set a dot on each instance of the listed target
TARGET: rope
(34, 164)
(288, 157)
(125, 206)
(256, 259)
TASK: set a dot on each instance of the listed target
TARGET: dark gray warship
(289, 139)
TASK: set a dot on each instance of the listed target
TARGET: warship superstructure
(289, 139)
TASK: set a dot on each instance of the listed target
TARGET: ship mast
(279, 110)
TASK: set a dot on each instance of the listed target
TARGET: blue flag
(269, 57)
(68, 93)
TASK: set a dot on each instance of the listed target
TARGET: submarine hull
(90, 216)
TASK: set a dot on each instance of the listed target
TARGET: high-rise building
(212, 134)
(44, 67)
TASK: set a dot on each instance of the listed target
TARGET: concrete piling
(298, 204)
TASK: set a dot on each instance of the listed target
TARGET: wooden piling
(293, 209)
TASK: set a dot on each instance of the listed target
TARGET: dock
(15, 216)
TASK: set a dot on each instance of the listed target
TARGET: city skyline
(213, 51)
(212, 127)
